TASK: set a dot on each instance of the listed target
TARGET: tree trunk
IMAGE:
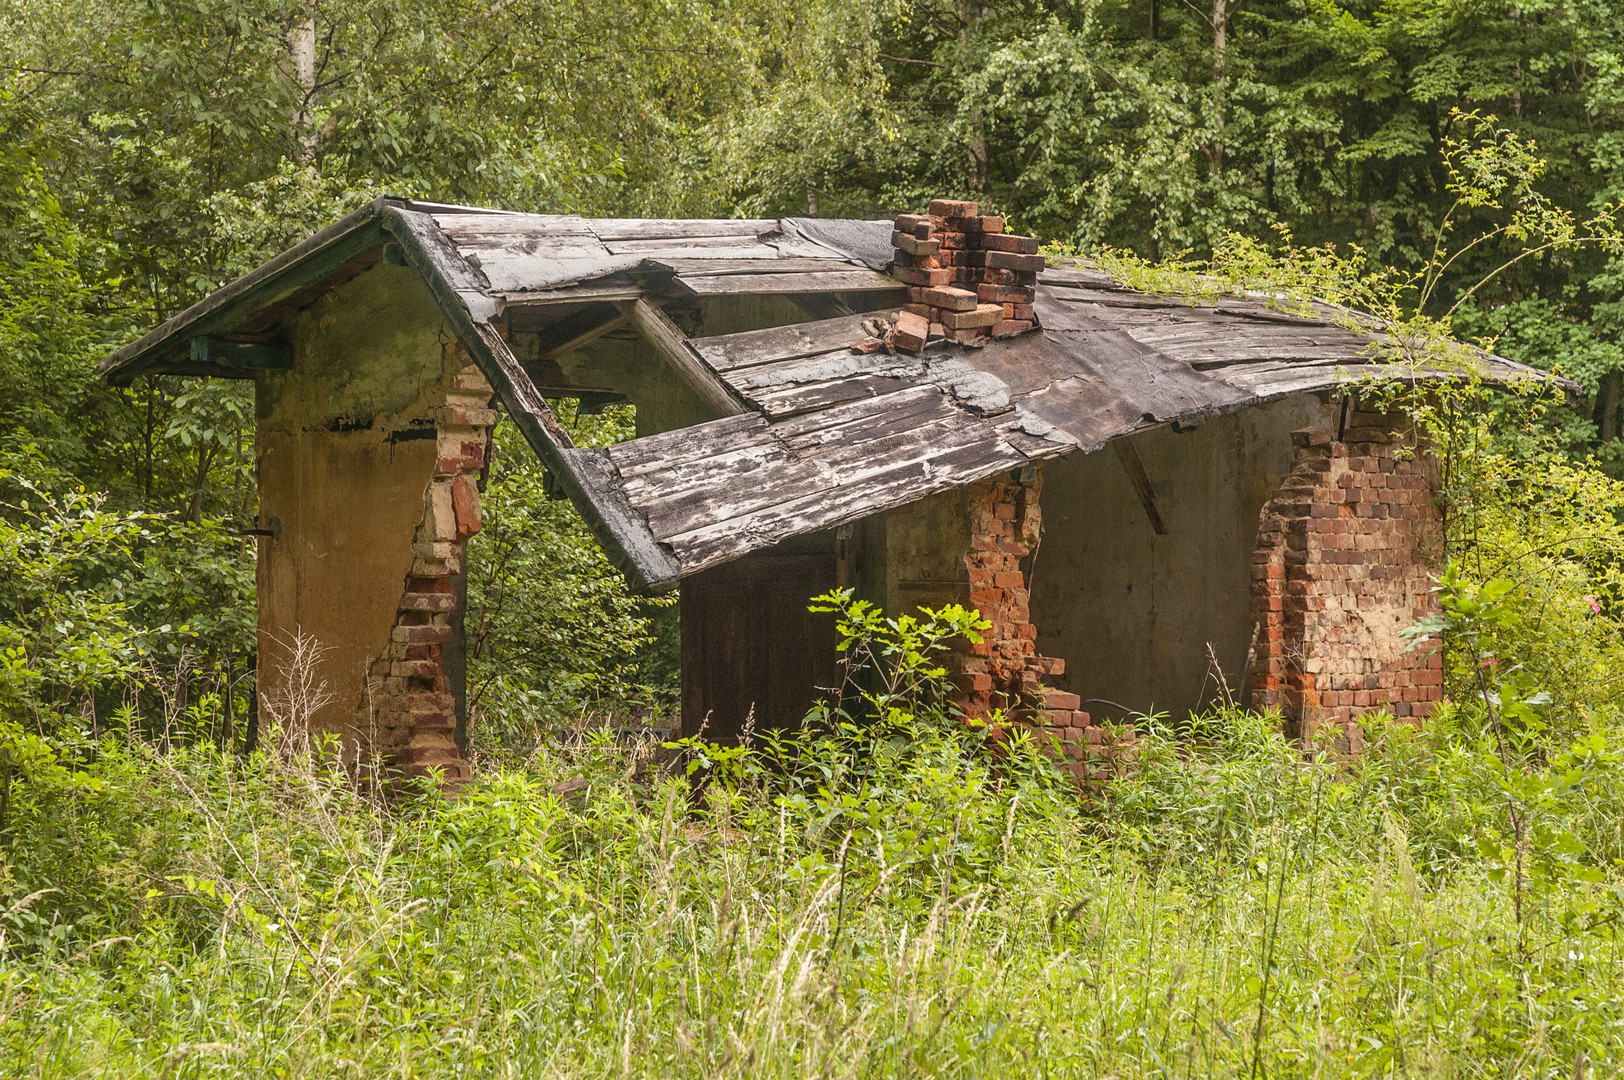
(1220, 46)
(1607, 397)
(302, 67)
(969, 15)
(205, 461)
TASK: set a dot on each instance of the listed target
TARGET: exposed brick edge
(413, 711)
(1354, 525)
(1004, 671)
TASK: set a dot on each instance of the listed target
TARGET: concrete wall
(1131, 612)
(346, 447)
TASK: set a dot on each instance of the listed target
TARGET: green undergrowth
(880, 900)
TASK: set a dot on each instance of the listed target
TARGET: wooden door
(748, 642)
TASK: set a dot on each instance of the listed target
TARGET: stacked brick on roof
(968, 279)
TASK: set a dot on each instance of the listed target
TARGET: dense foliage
(873, 896)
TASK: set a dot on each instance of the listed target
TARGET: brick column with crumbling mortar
(1343, 563)
(1004, 671)
(414, 714)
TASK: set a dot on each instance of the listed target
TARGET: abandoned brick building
(821, 403)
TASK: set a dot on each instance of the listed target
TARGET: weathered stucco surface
(346, 449)
(913, 556)
(1132, 612)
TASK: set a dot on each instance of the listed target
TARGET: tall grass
(857, 906)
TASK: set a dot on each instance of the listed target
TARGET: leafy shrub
(552, 630)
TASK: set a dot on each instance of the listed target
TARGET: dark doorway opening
(749, 642)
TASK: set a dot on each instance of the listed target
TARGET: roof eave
(583, 473)
(223, 310)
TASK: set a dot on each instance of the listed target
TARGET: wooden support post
(1141, 483)
(672, 344)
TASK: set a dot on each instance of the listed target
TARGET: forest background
(873, 896)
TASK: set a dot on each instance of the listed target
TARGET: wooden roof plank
(890, 409)
(671, 448)
(902, 482)
(616, 229)
(812, 397)
(822, 367)
(848, 466)
(827, 281)
(495, 249)
(710, 248)
(529, 273)
(680, 479)
(613, 287)
(710, 267)
(825, 439)
(458, 226)
(726, 352)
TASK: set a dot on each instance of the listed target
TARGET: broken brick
(465, 502)
(1006, 260)
(913, 245)
(980, 315)
(915, 276)
(1019, 245)
(912, 331)
(1004, 294)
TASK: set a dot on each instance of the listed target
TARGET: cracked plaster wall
(1131, 612)
(345, 449)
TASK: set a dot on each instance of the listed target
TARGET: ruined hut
(1137, 491)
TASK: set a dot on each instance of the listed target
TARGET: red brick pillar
(1345, 553)
(1005, 672)
(414, 709)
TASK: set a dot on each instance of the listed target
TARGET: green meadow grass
(887, 909)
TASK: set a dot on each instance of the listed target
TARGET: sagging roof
(810, 434)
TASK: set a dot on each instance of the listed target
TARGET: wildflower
(1595, 605)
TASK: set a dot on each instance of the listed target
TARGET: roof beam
(1141, 483)
(673, 345)
(578, 331)
(248, 357)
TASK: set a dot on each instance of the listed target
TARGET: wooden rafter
(673, 345)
